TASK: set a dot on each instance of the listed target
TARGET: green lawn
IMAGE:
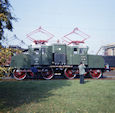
(57, 96)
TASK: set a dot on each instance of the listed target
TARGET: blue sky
(94, 17)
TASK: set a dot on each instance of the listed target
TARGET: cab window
(75, 51)
(81, 51)
(43, 50)
(36, 50)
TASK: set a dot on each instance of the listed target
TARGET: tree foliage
(5, 17)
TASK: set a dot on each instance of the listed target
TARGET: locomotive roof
(59, 44)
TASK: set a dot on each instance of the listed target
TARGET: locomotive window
(81, 51)
(85, 50)
(75, 51)
(43, 50)
(36, 50)
(25, 51)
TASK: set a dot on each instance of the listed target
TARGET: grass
(57, 96)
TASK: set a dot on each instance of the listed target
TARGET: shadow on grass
(16, 93)
(86, 81)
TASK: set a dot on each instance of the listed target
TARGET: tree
(5, 17)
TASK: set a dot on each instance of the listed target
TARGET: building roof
(112, 45)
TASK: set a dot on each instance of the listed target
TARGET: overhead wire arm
(81, 33)
(40, 29)
(77, 32)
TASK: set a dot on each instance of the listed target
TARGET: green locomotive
(56, 59)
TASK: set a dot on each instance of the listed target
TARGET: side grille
(59, 59)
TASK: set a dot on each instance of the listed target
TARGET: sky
(94, 17)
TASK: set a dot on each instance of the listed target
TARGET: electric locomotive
(56, 59)
(60, 59)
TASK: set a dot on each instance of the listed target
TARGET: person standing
(81, 72)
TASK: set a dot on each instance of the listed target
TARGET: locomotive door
(75, 58)
(83, 55)
(46, 57)
(59, 52)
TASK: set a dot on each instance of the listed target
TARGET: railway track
(106, 76)
(109, 75)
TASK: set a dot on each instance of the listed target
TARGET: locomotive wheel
(95, 73)
(47, 73)
(70, 73)
(19, 74)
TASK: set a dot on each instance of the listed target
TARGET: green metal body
(44, 56)
(21, 61)
(73, 58)
(95, 61)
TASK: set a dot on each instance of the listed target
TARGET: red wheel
(70, 73)
(19, 74)
(95, 73)
(47, 73)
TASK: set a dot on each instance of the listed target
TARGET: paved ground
(109, 75)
